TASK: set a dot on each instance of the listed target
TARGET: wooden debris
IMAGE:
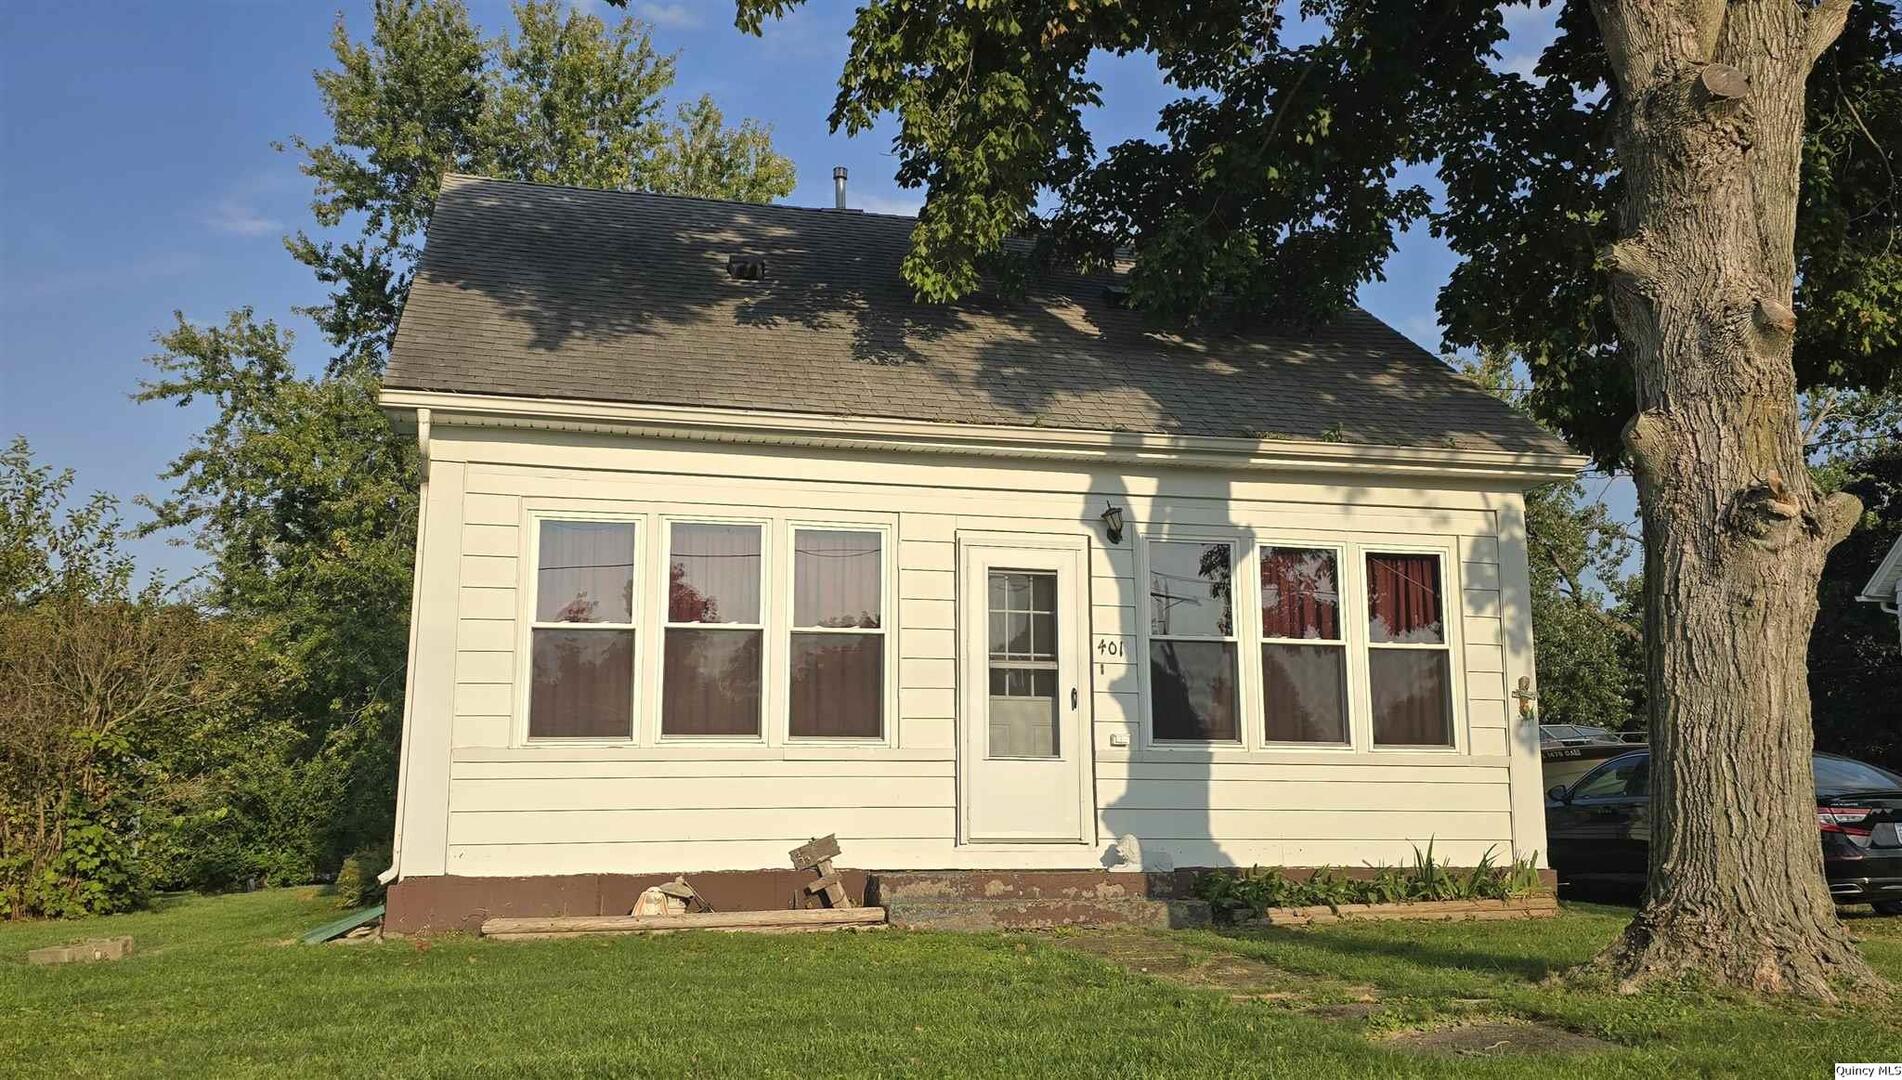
(674, 897)
(756, 921)
(818, 855)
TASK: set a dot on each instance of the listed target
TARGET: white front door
(1024, 745)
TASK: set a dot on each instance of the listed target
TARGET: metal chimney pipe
(838, 187)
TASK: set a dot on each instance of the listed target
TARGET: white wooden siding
(479, 801)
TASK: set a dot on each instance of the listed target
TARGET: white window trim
(1451, 615)
(888, 625)
(528, 593)
(772, 697)
(1240, 596)
(1350, 643)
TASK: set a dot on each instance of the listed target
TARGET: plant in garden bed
(1252, 893)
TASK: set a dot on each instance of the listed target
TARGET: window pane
(1023, 720)
(1305, 692)
(836, 578)
(1412, 697)
(582, 684)
(1017, 629)
(1627, 779)
(838, 684)
(711, 683)
(713, 574)
(1300, 594)
(585, 572)
(1192, 690)
(1403, 599)
(1189, 589)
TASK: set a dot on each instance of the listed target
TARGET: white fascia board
(1518, 470)
(1885, 587)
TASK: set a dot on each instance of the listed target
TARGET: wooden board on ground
(754, 921)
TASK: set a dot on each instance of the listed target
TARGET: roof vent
(1117, 296)
(838, 187)
(746, 267)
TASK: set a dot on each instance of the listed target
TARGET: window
(581, 640)
(1192, 669)
(710, 684)
(1303, 653)
(1022, 657)
(1625, 779)
(838, 634)
(1408, 665)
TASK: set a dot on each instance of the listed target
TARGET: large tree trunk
(1709, 136)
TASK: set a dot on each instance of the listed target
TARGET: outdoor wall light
(1113, 521)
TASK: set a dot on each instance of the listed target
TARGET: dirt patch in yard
(1497, 1037)
(1242, 978)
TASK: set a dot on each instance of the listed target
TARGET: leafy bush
(357, 885)
(1250, 893)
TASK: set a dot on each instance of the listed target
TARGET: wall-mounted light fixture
(1112, 516)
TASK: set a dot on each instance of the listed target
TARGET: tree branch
(1825, 24)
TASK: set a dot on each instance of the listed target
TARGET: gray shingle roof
(557, 292)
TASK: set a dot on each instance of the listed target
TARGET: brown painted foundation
(422, 905)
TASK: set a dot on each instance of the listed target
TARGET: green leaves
(1275, 186)
(565, 99)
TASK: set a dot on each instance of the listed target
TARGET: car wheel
(1888, 907)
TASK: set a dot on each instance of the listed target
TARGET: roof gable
(536, 291)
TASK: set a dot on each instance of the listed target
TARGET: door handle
(1073, 698)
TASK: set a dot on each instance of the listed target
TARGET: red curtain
(1403, 599)
(1300, 595)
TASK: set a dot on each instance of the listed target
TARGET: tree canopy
(566, 99)
(1275, 184)
(298, 489)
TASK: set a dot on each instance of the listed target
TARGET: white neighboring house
(1885, 587)
(726, 543)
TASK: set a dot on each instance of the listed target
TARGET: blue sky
(137, 177)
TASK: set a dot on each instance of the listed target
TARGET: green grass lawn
(218, 987)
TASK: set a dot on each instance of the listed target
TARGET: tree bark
(1709, 135)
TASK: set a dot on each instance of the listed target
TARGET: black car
(1599, 829)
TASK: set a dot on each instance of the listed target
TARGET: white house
(1885, 586)
(726, 543)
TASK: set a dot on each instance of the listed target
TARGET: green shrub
(1250, 893)
(357, 885)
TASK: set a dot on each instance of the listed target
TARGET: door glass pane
(836, 578)
(1189, 589)
(1023, 720)
(713, 574)
(585, 572)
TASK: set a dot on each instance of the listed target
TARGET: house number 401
(1109, 647)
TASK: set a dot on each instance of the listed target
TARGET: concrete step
(941, 913)
(1068, 885)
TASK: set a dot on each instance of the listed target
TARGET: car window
(1842, 774)
(1556, 732)
(1626, 778)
